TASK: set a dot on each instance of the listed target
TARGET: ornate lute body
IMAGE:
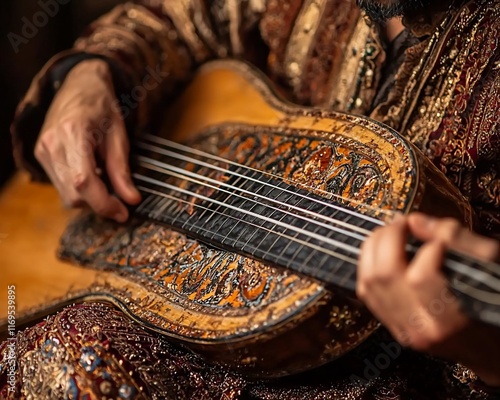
(262, 210)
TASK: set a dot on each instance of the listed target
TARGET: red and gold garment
(93, 351)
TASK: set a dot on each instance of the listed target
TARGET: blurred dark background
(17, 69)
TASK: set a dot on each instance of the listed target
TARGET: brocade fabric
(93, 351)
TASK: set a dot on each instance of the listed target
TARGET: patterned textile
(444, 98)
(92, 352)
(95, 352)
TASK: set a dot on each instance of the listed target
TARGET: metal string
(313, 235)
(189, 150)
(461, 268)
(177, 146)
(170, 170)
(294, 239)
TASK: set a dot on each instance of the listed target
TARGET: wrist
(94, 67)
(77, 64)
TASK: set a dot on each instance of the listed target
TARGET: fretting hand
(83, 126)
(412, 299)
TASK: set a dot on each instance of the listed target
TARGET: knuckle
(369, 280)
(80, 181)
(69, 125)
(384, 276)
(48, 141)
(361, 291)
(490, 250)
(52, 140)
(101, 209)
(39, 151)
(416, 280)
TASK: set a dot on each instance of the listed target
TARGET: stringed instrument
(245, 245)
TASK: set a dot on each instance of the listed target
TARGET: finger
(391, 306)
(426, 265)
(383, 257)
(93, 191)
(426, 228)
(50, 155)
(441, 314)
(80, 145)
(381, 268)
(365, 269)
(117, 163)
(390, 252)
(61, 175)
(455, 236)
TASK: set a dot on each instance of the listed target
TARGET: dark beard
(398, 8)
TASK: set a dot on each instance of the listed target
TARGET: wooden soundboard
(32, 219)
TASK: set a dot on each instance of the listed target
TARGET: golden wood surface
(31, 222)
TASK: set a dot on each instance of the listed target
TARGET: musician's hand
(412, 298)
(83, 128)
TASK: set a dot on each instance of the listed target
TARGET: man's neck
(393, 28)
